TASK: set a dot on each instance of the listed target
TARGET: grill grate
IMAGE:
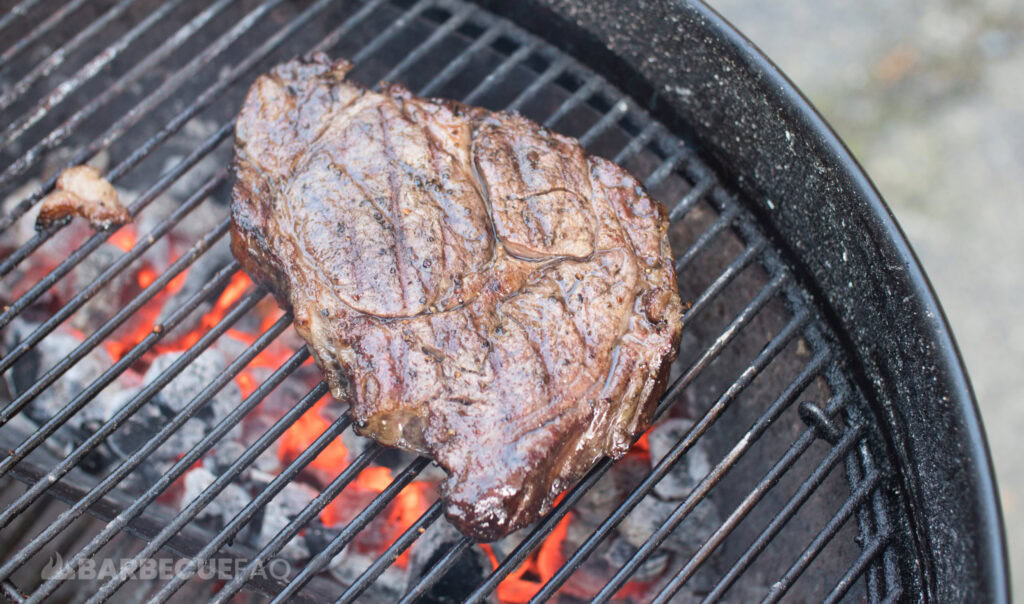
(74, 99)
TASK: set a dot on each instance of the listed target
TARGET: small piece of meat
(479, 288)
(81, 191)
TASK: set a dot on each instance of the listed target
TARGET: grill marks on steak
(481, 290)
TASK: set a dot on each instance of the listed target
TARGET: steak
(480, 289)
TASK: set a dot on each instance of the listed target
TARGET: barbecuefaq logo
(163, 569)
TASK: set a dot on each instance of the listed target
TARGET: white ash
(281, 510)
(225, 505)
(108, 403)
(349, 564)
(189, 182)
(620, 551)
(601, 500)
(192, 379)
(686, 539)
(155, 414)
(108, 300)
(52, 349)
(689, 470)
(224, 454)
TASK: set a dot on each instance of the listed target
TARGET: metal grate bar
(17, 128)
(501, 71)
(775, 346)
(389, 32)
(182, 465)
(439, 34)
(381, 564)
(111, 271)
(581, 94)
(865, 530)
(437, 571)
(485, 39)
(234, 470)
(322, 559)
(835, 454)
(272, 489)
(868, 555)
(55, 17)
(890, 569)
(780, 587)
(884, 575)
(553, 71)
(386, 559)
(720, 224)
(16, 257)
(342, 539)
(737, 266)
(128, 409)
(288, 532)
(332, 38)
(618, 110)
(131, 406)
(11, 592)
(19, 10)
(98, 239)
(692, 197)
(61, 54)
(169, 85)
(665, 168)
(521, 551)
(638, 143)
(679, 153)
(54, 373)
(257, 396)
(788, 511)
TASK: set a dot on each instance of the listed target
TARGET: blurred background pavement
(929, 95)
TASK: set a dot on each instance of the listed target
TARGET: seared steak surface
(479, 288)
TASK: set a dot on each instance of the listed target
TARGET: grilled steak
(479, 288)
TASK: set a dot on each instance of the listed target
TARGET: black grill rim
(865, 501)
(905, 356)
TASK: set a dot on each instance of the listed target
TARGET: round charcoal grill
(844, 450)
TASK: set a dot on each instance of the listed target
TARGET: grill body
(803, 184)
(847, 453)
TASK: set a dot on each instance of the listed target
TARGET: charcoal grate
(769, 390)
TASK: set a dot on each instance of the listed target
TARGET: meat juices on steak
(481, 290)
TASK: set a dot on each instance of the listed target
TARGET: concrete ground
(929, 95)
